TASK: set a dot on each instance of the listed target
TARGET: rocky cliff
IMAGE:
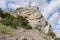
(23, 34)
(34, 17)
(39, 26)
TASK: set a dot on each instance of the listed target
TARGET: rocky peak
(34, 17)
(36, 20)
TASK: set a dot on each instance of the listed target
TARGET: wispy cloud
(2, 4)
(42, 4)
(52, 15)
(54, 19)
(58, 21)
(57, 32)
(13, 6)
(57, 27)
(51, 8)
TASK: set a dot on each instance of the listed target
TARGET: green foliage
(52, 34)
(57, 38)
(5, 15)
(22, 20)
(8, 23)
(27, 27)
(1, 12)
(6, 30)
(10, 20)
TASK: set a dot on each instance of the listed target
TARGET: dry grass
(6, 30)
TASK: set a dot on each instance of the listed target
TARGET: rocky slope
(23, 34)
(39, 26)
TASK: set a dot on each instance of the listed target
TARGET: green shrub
(1, 13)
(52, 34)
(15, 23)
(27, 27)
(6, 30)
(6, 21)
(57, 38)
(22, 20)
(10, 20)
(6, 15)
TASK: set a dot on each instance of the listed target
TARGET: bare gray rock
(23, 34)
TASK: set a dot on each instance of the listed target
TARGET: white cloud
(53, 19)
(57, 27)
(51, 8)
(13, 6)
(48, 10)
(24, 4)
(20, 3)
(57, 32)
(33, 4)
(42, 4)
(2, 3)
(59, 21)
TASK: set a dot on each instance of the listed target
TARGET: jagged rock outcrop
(34, 17)
(36, 20)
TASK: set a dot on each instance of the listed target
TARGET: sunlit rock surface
(39, 26)
(34, 17)
(23, 34)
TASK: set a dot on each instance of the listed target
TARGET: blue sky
(49, 8)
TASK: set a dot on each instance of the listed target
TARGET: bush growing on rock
(52, 34)
(1, 13)
(6, 30)
(10, 20)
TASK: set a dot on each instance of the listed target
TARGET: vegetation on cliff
(57, 38)
(12, 22)
(8, 24)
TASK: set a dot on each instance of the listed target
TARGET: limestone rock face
(34, 17)
(33, 34)
(23, 34)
